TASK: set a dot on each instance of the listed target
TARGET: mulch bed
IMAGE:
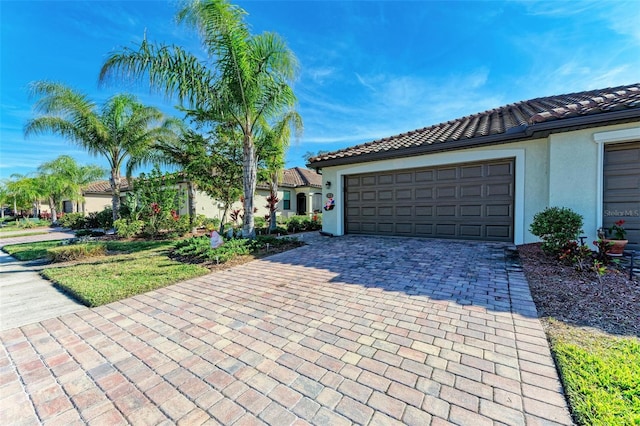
(577, 297)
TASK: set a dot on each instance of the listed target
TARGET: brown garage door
(467, 201)
(622, 189)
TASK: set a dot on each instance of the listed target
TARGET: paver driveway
(347, 330)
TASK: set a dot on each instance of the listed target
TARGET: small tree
(157, 199)
(556, 226)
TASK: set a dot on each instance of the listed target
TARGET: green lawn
(600, 373)
(31, 251)
(14, 234)
(132, 267)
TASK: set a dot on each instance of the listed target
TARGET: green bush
(73, 221)
(260, 222)
(103, 219)
(304, 223)
(27, 224)
(128, 228)
(76, 252)
(556, 226)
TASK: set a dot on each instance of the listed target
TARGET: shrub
(76, 252)
(27, 224)
(128, 228)
(103, 219)
(556, 226)
(260, 222)
(73, 221)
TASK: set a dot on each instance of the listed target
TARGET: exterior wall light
(328, 184)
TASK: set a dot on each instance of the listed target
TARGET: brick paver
(346, 330)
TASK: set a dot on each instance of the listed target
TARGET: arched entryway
(301, 204)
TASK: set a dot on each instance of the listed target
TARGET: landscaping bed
(593, 327)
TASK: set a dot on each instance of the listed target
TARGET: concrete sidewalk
(26, 297)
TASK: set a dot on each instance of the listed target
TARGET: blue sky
(368, 69)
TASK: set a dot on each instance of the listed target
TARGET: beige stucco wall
(562, 170)
(96, 203)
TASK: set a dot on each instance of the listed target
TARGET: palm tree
(246, 83)
(272, 143)
(65, 179)
(26, 190)
(121, 131)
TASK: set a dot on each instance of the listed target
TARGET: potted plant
(616, 241)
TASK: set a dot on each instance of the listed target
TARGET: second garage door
(465, 201)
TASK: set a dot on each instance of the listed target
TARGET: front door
(301, 204)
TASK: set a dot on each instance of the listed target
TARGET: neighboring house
(299, 194)
(484, 176)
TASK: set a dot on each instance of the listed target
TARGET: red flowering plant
(617, 231)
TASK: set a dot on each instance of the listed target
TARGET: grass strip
(601, 376)
(146, 267)
(31, 251)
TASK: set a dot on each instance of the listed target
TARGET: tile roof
(521, 120)
(292, 178)
(104, 186)
(297, 177)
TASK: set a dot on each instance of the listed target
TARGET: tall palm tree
(246, 80)
(121, 131)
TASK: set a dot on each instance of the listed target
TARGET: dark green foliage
(556, 226)
(304, 223)
(103, 219)
(127, 228)
(199, 248)
(72, 221)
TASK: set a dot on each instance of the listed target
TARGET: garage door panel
(368, 195)
(504, 169)
(499, 210)
(447, 174)
(470, 172)
(445, 192)
(404, 211)
(368, 211)
(424, 176)
(404, 228)
(498, 231)
(424, 193)
(473, 201)
(447, 230)
(468, 191)
(424, 211)
(385, 179)
(471, 211)
(468, 231)
(404, 178)
(498, 189)
(385, 195)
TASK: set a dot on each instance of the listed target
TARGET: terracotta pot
(616, 247)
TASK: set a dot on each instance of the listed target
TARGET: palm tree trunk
(273, 188)
(54, 213)
(249, 176)
(191, 188)
(114, 182)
